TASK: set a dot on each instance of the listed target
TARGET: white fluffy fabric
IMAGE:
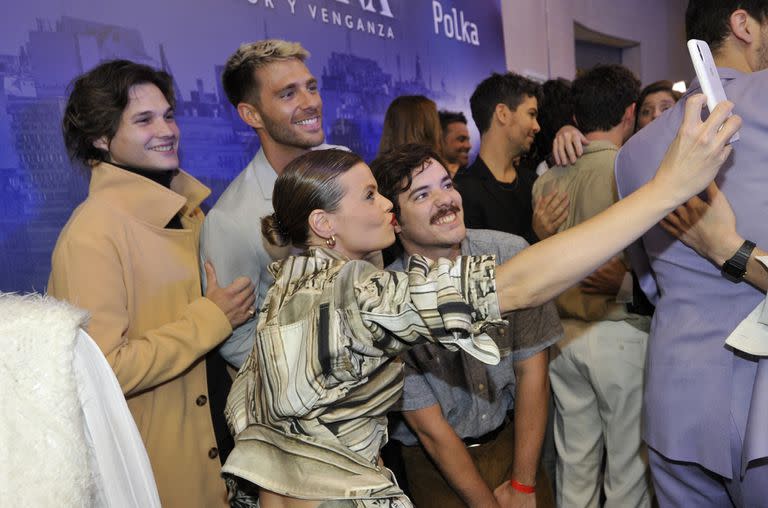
(44, 455)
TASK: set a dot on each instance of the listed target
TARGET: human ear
(501, 113)
(102, 144)
(630, 113)
(740, 26)
(250, 115)
(321, 224)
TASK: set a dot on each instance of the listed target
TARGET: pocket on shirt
(291, 375)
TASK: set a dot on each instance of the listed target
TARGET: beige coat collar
(145, 199)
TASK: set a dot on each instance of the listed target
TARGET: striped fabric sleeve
(448, 302)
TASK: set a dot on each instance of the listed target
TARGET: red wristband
(521, 487)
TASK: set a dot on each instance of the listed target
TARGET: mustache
(443, 212)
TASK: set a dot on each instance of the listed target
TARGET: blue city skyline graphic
(39, 185)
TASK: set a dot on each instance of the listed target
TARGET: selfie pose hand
(690, 164)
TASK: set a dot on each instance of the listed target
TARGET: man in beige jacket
(128, 255)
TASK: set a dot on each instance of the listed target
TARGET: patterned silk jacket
(308, 408)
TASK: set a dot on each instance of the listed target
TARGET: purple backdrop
(364, 52)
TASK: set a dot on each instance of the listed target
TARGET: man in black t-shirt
(497, 196)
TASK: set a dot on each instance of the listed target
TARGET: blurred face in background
(653, 106)
(456, 143)
(523, 125)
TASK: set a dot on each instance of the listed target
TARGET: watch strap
(736, 267)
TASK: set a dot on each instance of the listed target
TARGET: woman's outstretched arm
(547, 268)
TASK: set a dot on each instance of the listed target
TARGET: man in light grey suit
(706, 406)
(275, 93)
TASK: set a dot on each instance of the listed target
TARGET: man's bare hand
(235, 300)
(707, 228)
(508, 497)
(607, 279)
(568, 145)
(549, 212)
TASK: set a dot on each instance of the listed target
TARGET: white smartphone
(706, 71)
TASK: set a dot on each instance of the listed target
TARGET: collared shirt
(308, 407)
(475, 397)
(490, 204)
(688, 410)
(592, 188)
(231, 240)
(591, 176)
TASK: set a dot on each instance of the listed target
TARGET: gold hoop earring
(331, 242)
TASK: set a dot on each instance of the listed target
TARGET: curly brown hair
(394, 170)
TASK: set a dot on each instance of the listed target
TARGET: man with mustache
(496, 195)
(456, 143)
(481, 426)
(275, 93)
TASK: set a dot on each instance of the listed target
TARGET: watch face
(735, 268)
(732, 272)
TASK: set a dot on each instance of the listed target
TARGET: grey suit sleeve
(229, 249)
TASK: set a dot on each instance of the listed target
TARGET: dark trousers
(493, 460)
